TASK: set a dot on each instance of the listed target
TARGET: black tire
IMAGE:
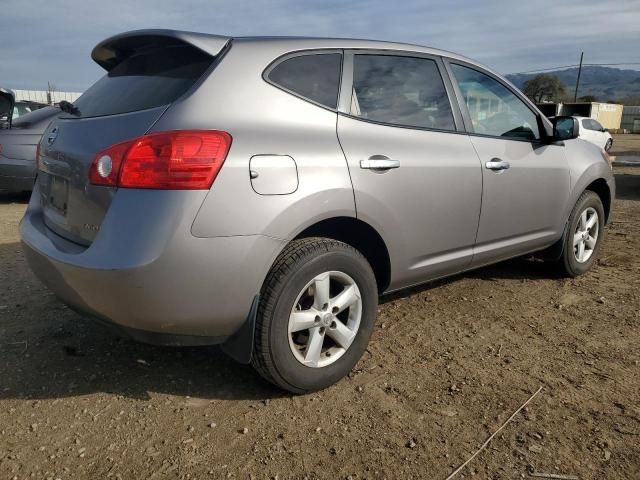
(607, 146)
(568, 265)
(300, 262)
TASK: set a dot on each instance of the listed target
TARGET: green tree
(545, 87)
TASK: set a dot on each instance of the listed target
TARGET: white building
(631, 118)
(44, 96)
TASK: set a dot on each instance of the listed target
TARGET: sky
(51, 40)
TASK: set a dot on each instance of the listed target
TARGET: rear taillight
(178, 160)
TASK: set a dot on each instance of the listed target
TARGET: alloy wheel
(585, 236)
(325, 319)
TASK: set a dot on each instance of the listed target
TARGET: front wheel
(316, 313)
(607, 146)
(584, 235)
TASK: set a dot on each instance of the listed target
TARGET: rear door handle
(496, 164)
(379, 162)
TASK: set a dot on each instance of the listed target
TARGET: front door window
(494, 109)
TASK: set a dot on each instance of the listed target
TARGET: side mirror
(565, 128)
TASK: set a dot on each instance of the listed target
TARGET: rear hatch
(147, 71)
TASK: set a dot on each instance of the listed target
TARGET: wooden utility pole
(575, 94)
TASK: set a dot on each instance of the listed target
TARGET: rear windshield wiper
(69, 108)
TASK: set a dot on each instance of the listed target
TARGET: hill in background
(604, 83)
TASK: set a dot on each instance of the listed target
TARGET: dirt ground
(628, 144)
(447, 365)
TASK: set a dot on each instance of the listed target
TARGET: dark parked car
(18, 149)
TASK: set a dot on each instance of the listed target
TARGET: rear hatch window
(148, 79)
(122, 105)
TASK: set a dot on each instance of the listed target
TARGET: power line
(605, 64)
(543, 69)
(573, 66)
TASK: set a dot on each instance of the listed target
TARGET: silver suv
(261, 193)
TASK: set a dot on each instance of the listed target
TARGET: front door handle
(497, 165)
(379, 162)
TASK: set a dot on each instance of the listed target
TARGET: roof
(302, 43)
(111, 50)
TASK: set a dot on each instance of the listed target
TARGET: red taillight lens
(179, 160)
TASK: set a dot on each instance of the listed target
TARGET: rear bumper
(178, 290)
(16, 175)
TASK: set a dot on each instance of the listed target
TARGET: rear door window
(151, 78)
(315, 77)
(400, 90)
(591, 124)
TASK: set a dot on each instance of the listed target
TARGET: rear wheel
(584, 235)
(316, 314)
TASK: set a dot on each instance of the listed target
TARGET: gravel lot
(628, 144)
(447, 365)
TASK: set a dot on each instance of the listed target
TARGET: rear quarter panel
(20, 144)
(18, 159)
(264, 120)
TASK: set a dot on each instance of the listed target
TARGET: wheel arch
(601, 188)
(361, 236)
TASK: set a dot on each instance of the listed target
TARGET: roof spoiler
(112, 51)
